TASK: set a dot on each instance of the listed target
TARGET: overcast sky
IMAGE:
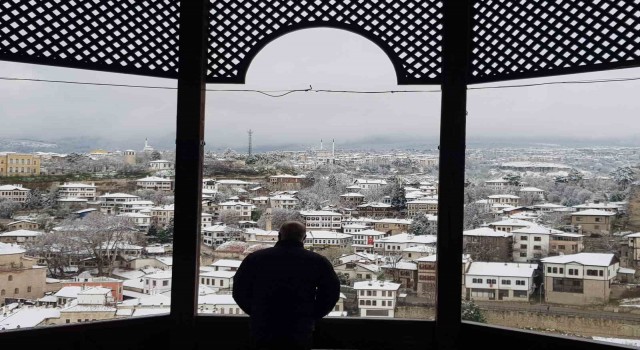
(325, 59)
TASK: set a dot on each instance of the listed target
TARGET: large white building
(15, 193)
(499, 281)
(322, 220)
(160, 165)
(376, 298)
(531, 243)
(283, 202)
(394, 245)
(327, 239)
(363, 240)
(77, 190)
(155, 183)
(110, 203)
(368, 184)
(243, 210)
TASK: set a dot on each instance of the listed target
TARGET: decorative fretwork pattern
(129, 36)
(529, 38)
(409, 31)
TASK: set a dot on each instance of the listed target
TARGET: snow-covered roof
(423, 201)
(160, 275)
(283, 197)
(154, 179)
(633, 235)
(216, 299)
(134, 215)
(326, 235)
(76, 185)
(287, 176)
(236, 203)
(118, 195)
(566, 234)
(402, 265)
(319, 213)
(7, 249)
(593, 212)
(167, 260)
(352, 194)
(69, 292)
(227, 263)
(393, 221)
(501, 269)
(486, 232)
(408, 238)
(511, 222)
(549, 205)
(27, 317)
(95, 291)
(597, 206)
(374, 205)
(368, 233)
(218, 274)
(524, 164)
(536, 229)
(151, 300)
(420, 249)
(234, 246)
(509, 196)
(20, 233)
(371, 181)
(376, 285)
(590, 259)
(497, 181)
(530, 189)
(12, 188)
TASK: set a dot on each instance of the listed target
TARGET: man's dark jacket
(285, 289)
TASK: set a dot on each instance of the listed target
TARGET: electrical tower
(250, 134)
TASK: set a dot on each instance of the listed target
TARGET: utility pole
(250, 134)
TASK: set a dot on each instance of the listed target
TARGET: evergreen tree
(398, 196)
(471, 312)
(421, 226)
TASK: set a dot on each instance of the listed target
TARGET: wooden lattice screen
(510, 39)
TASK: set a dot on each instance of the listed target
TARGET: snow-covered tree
(8, 207)
(278, 217)
(513, 179)
(471, 312)
(623, 176)
(421, 226)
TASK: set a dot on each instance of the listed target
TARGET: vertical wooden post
(455, 60)
(189, 158)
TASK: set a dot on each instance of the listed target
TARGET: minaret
(333, 148)
(321, 144)
(250, 145)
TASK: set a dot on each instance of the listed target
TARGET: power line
(282, 93)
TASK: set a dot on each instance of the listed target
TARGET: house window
(369, 293)
(597, 219)
(537, 247)
(548, 269)
(165, 283)
(361, 302)
(491, 281)
(537, 239)
(384, 303)
(523, 246)
(523, 238)
(520, 282)
(389, 303)
(523, 254)
(10, 278)
(3, 292)
(555, 270)
(368, 302)
(384, 293)
(29, 289)
(592, 272)
(506, 282)
(16, 291)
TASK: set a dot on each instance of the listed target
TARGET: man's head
(292, 231)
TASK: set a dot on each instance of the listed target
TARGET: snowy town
(549, 232)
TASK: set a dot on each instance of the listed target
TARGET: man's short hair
(293, 230)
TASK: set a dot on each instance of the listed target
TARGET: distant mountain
(27, 146)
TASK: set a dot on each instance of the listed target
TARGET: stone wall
(566, 324)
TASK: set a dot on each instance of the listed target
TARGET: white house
(141, 221)
(214, 235)
(158, 282)
(226, 265)
(219, 280)
(327, 238)
(136, 206)
(322, 219)
(218, 304)
(353, 228)
(110, 203)
(155, 183)
(497, 184)
(283, 202)
(160, 165)
(376, 298)
(394, 245)
(499, 281)
(531, 242)
(579, 279)
(77, 190)
(363, 240)
(534, 192)
(19, 236)
(162, 215)
(15, 193)
(367, 184)
(242, 209)
(506, 199)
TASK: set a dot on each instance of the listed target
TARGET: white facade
(242, 209)
(160, 165)
(322, 219)
(155, 183)
(531, 243)
(366, 184)
(499, 281)
(156, 283)
(376, 298)
(327, 238)
(217, 279)
(397, 243)
(15, 193)
(141, 221)
(364, 240)
(283, 202)
(110, 203)
(77, 190)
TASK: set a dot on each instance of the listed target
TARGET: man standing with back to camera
(284, 290)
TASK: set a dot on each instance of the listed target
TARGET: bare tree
(101, 236)
(229, 217)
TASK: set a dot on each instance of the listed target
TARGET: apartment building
(242, 209)
(15, 193)
(565, 243)
(394, 245)
(283, 202)
(531, 243)
(110, 203)
(16, 164)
